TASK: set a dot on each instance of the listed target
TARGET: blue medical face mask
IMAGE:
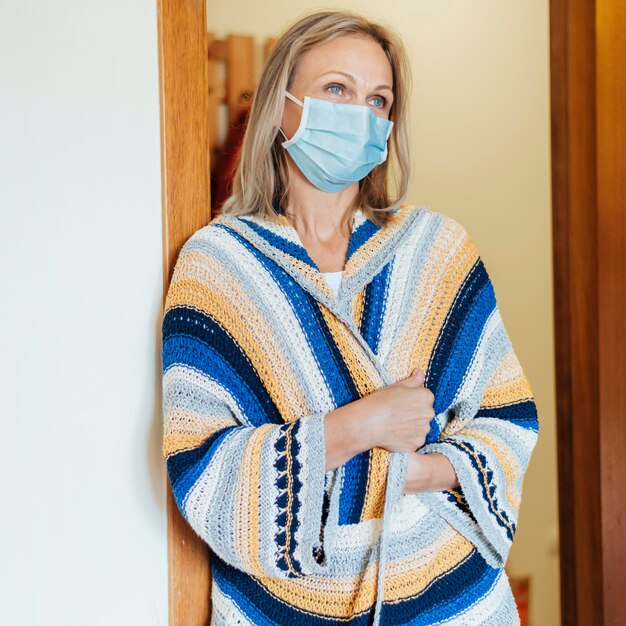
(337, 144)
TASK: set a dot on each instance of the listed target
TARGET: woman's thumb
(416, 375)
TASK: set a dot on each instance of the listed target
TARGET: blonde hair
(261, 182)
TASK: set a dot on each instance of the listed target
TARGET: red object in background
(521, 590)
(225, 163)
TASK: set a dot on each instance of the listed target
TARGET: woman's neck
(315, 213)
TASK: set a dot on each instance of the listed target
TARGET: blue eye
(338, 89)
(379, 102)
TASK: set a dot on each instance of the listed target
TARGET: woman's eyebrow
(352, 79)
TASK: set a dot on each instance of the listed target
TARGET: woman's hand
(397, 417)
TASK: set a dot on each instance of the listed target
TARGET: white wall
(82, 529)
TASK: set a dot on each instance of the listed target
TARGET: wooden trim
(574, 255)
(562, 330)
(611, 183)
(588, 305)
(183, 72)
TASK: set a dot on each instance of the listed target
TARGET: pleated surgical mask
(335, 144)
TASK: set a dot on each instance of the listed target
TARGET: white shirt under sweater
(334, 280)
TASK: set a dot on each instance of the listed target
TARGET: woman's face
(351, 69)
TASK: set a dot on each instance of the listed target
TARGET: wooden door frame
(589, 240)
(186, 206)
(588, 139)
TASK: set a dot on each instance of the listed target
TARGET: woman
(346, 422)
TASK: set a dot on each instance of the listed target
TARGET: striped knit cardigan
(257, 349)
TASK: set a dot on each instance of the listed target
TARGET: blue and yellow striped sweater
(257, 349)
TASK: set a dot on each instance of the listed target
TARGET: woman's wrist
(417, 474)
(344, 436)
(431, 471)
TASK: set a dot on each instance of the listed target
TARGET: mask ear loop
(294, 99)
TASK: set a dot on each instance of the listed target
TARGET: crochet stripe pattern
(257, 349)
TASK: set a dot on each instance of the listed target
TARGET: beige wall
(480, 128)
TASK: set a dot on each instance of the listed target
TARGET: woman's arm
(429, 472)
(493, 423)
(250, 485)
(348, 431)
(344, 438)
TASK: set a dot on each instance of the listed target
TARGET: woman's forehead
(357, 58)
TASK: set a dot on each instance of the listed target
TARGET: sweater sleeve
(492, 430)
(254, 492)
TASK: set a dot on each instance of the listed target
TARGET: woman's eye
(379, 102)
(335, 89)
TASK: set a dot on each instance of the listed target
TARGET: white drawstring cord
(397, 465)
